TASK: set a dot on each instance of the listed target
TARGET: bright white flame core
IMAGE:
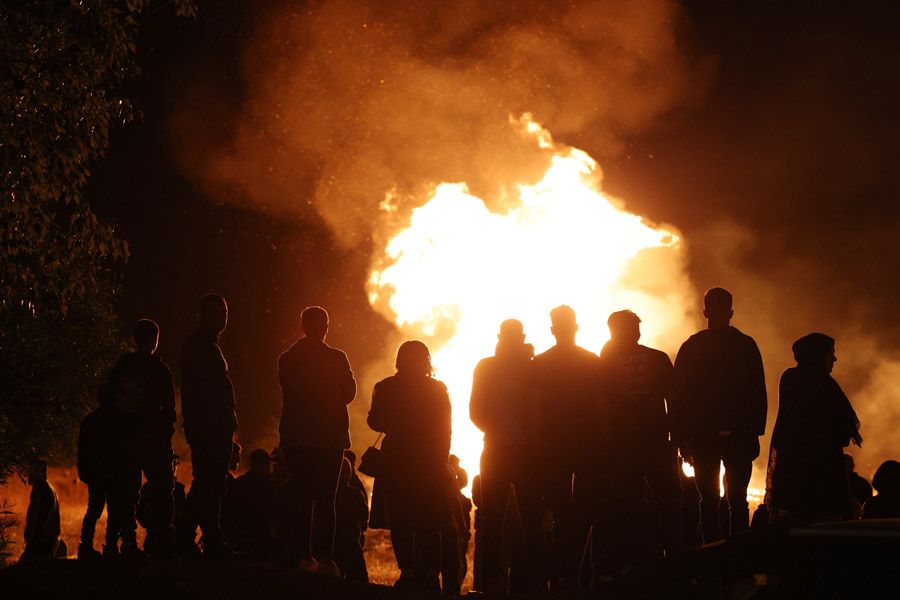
(458, 270)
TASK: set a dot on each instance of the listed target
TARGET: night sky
(779, 171)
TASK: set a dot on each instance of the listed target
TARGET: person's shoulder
(655, 354)
(438, 385)
(291, 351)
(741, 336)
(486, 363)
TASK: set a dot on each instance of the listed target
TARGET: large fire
(458, 269)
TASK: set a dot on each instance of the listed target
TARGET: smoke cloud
(357, 99)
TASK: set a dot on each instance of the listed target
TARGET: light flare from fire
(457, 270)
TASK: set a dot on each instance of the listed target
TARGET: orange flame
(458, 269)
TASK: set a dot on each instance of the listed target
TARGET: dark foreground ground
(847, 560)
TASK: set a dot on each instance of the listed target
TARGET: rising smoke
(345, 101)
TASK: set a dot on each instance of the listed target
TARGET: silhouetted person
(807, 479)
(143, 395)
(860, 488)
(886, 481)
(566, 377)
(413, 410)
(504, 406)
(248, 507)
(210, 421)
(718, 411)
(352, 517)
(42, 518)
(317, 385)
(637, 451)
(97, 438)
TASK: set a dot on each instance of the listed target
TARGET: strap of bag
(378, 439)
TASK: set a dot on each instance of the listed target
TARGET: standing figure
(96, 468)
(807, 476)
(718, 410)
(412, 409)
(566, 377)
(639, 453)
(144, 398)
(504, 406)
(317, 385)
(210, 421)
(42, 518)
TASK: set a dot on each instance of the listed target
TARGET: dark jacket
(807, 475)
(143, 395)
(504, 399)
(207, 396)
(97, 446)
(567, 381)
(719, 385)
(317, 385)
(637, 380)
(812, 411)
(415, 415)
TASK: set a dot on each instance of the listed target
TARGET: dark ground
(856, 559)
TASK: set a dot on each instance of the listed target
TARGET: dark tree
(63, 64)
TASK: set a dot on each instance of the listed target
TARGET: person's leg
(738, 469)
(427, 544)
(156, 463)
(557, 491)
(665, 483)
(298, 462)
(707, 458)
(210, 469)
(494, 495)
(96, 501)
(403, 542)
(326, 472)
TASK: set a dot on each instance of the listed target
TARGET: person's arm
(348, 382)
(678, 399)
(757, 390)
(446, 422)
(379, 415)
(478, 409)
(167, 397)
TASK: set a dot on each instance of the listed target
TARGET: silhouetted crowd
(581, 476)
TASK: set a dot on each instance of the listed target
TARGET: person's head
(413, 358)
(815, 351)
(887, 478)
(512, 333)
(351, 456)
(146, 335)
(37, 471)
(213, 313)
(346, 471)
(314, 322)
(717, 307)
(624, 327)
(235, 460)
(563, 325)
(260, 462)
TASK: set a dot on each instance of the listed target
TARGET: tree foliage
(63, 64)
